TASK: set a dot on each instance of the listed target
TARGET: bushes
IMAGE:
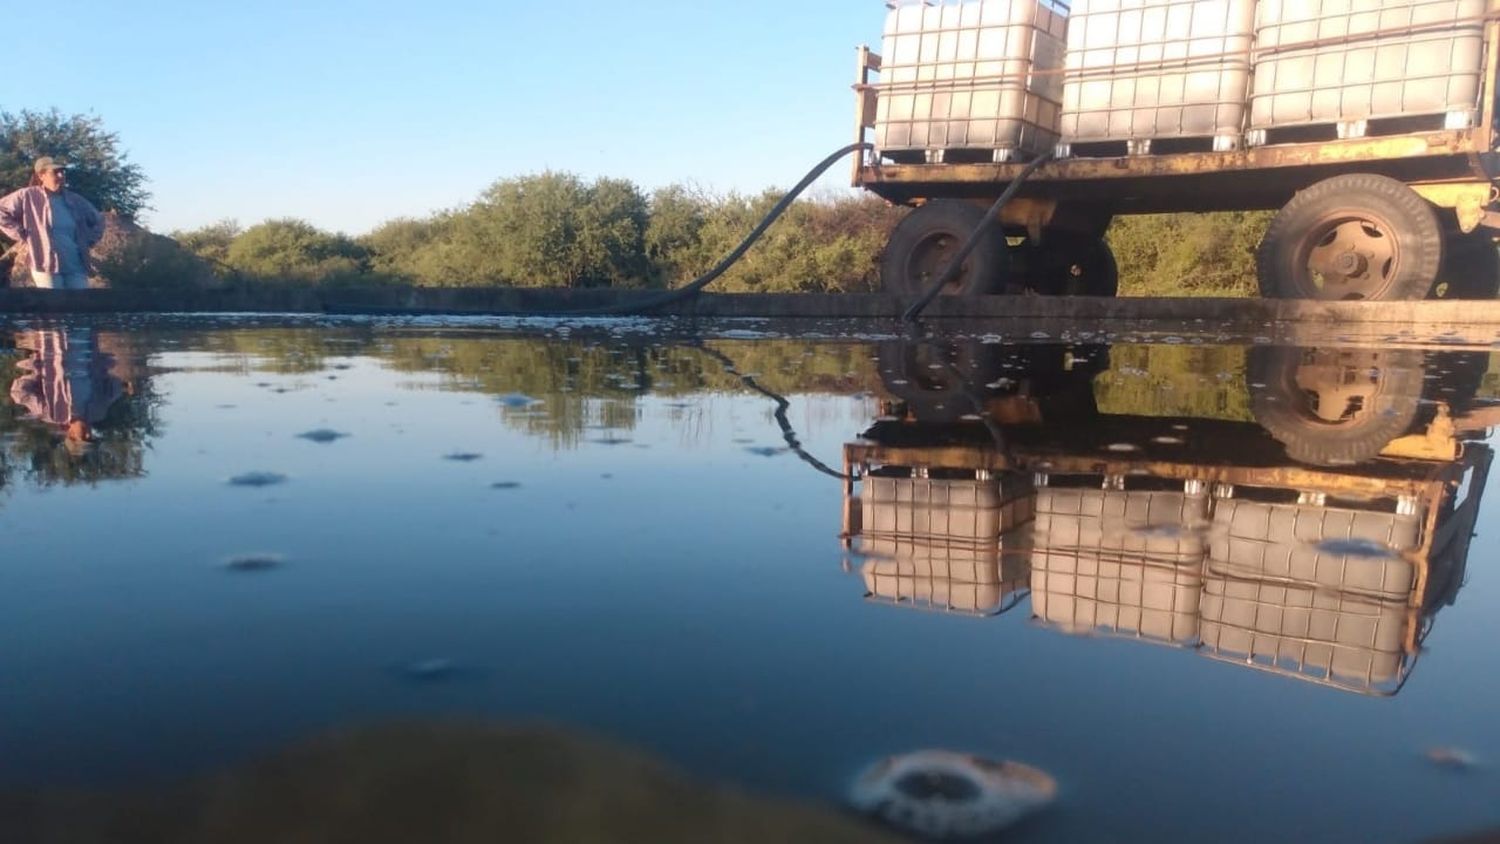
(1188, 254)
(555, 229)
(291, 250)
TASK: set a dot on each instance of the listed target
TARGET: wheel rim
(930, 257)
(1339, 393)
(1349, 255)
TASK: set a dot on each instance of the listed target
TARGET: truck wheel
(1358, 236)
(1471, 268)
(923, 244)
(1075, 265)
(1334, 407)
(938, 382)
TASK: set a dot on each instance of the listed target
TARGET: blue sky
(348, 114)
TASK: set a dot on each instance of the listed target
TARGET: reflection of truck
(1188, 532)
(1373, 131)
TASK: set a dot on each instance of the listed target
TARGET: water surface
(272, 529)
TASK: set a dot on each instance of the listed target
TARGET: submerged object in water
(944, 795)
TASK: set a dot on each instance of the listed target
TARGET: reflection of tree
(1203, 382)
(117, 405)
(584, 385)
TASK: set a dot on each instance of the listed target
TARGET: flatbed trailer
(1062, 210)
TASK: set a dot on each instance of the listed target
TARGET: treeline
(559, 230)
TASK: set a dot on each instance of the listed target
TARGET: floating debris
(1452, 758)
(322, 436)
(258, 479)
(505, 485)
(250, 563)
(766, 451)
(1361, 548)
(1123, 448)
(518, 400)
(463, 457)
(1002, 384)
(610, 441)
(1168, 440)
(437, 670)
(940, 794)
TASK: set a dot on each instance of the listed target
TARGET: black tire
(1358, 236)
(923, 244)
(1471, 267)
(1073, 265)
(1286, 399)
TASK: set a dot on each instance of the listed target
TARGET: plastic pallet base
(1308, 133)
(1148, 146)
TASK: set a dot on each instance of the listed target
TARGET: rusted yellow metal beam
(1301, 478)
(1399, 147)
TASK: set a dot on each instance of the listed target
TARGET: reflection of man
(66, 383)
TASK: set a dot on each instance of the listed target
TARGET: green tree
(296, 251)
(423, 252)
(674, 235)
(210, 242)
(97, 167)
(554, 229)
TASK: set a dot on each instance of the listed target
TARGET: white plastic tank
(1275, 594)
(1140, 71)
(936, 543)
(976, 80)
(1127, 563)
(1343, 63)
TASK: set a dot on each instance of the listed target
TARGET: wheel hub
(931, 258)
(1352, 258)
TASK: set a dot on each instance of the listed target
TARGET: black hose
(697, 285)
(782, 405)
(956, 265)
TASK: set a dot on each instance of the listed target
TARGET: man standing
(58, 226)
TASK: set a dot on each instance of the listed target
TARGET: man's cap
(47, 162)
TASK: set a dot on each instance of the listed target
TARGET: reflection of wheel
(1073, 265)
(923, 244)
(1333, 407)
(1471, 267)
(939, 382)
(1358, 236)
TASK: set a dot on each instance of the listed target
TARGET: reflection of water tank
(1119, 562)
(1270, 597)
(936, 543)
